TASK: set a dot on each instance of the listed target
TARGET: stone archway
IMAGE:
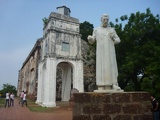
(64, 81)
(71, 72)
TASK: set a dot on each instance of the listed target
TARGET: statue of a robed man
(106, 65)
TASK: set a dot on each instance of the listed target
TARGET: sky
(21, 25)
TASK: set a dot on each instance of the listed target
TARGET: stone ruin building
(57, 62)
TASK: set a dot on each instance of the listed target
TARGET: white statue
(106, 65)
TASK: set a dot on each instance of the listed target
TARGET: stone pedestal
(107, 88)
(104, 87)
(112, 106)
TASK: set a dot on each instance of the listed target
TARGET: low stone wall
(112, 106)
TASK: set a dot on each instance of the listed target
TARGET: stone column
(78, 76)
(67, 84)
(50, 83)
(39, 90)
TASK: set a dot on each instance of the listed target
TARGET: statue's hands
(114, 37)
(90, 39)
(111, 36)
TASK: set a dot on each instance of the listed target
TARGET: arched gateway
(64, 81)
(61, 67)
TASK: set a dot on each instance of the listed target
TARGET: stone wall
(28, 74)
(89, 66)
(112, 106)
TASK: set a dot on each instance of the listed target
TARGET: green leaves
(45, 21)
(86, 29)
(9, 88)
(139, 50)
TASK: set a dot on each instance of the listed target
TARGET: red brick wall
(112, 106)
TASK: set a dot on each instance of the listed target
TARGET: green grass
(2, 102)
(37, 108)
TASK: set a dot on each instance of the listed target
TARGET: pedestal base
(108, 88)
(112, 106)
(108, 91)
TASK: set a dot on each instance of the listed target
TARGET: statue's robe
(106, 65)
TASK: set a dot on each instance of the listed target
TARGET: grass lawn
(37, 108)
(2, 102)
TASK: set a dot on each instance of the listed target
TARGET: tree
(138, 54)
(89, 55)
(86, 29)
(9, 88)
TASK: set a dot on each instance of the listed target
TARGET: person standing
(21, 97)
(156, 110)
(7, 99)
(12, 99)
(24, 99)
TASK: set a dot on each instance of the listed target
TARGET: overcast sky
(21, 25)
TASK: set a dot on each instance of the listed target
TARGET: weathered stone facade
(61, 49)
(89, 71)
(59, 56)
(28, 74)
(112, 106)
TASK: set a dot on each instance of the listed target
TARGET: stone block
(107, 98)
(143, 117)
(111, 108)
(101, 117)
(122, 117)
(92, 110)
(132, 109)
(81, 117)
(121, 97)
(82, 98)
(140, 96)
(78, 109)
(97, 98)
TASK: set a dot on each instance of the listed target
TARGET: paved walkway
(17, 112)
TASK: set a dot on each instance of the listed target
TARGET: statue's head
(104, 20)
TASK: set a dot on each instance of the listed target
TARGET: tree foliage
(9, 88)
(138, 54)
(45, 21)
(86, 29)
